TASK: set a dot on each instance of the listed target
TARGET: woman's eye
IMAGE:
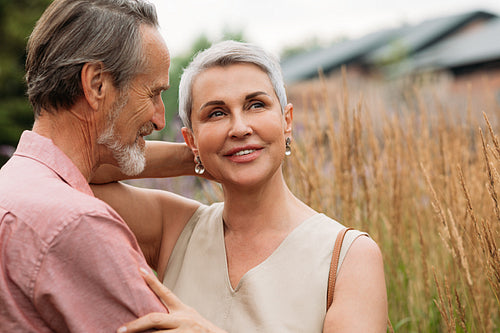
(216, 113)
(256, 105)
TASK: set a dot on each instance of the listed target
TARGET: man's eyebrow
(161, 88)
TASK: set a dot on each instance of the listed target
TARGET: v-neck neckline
(257, 267)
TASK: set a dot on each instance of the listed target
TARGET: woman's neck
(257, 221)
(271, 206)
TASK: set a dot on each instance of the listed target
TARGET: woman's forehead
(231, 77)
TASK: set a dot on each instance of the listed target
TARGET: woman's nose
(240, 126)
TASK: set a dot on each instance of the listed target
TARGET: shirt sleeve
(89, 279)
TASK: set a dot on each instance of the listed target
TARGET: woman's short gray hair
(224, 54)
(71, 33)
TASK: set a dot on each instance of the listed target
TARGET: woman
(259, 261)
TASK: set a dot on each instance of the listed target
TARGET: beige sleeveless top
(284, 293)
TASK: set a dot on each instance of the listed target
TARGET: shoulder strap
(332, 277)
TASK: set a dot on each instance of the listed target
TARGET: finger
(149, 321)
(166, 295)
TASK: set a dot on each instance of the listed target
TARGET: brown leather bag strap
(332, 277)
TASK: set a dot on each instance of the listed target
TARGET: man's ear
(95, 81)
(288, 115)
(189, 139)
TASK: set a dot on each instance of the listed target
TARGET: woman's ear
(288, 115)
(95, 81)
(189, 139)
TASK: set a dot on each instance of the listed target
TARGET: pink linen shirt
(68, 262)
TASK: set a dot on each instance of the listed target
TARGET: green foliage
(17, 19)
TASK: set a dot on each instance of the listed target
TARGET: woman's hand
(163, 159)
(181, 318)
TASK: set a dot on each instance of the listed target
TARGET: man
(95, 71)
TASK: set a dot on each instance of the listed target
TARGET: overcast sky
(274, 24)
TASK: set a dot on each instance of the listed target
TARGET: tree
(17, 19)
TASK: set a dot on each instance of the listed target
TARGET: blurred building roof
(474, 48)
(306, 65)
(431, 40)
(412, 39)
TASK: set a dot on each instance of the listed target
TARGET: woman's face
(239, 130)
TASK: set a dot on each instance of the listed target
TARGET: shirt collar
(43, 150)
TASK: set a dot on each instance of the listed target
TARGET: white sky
(274, 24)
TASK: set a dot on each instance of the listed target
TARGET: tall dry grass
(416, 164)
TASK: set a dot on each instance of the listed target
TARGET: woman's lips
(243, 154)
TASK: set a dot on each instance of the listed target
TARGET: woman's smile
(244, 154)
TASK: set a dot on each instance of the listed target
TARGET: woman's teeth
(244, 152)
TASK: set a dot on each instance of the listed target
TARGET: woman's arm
(360, 298)
(163, 159)
(156, 217)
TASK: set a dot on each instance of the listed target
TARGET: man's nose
(159, 116)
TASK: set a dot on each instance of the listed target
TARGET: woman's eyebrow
(211, 103)
(219, 103)
(255, 94)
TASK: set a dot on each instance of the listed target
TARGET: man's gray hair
(71, 33)
(224, 54)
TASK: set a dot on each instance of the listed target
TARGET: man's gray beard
(130, 158)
